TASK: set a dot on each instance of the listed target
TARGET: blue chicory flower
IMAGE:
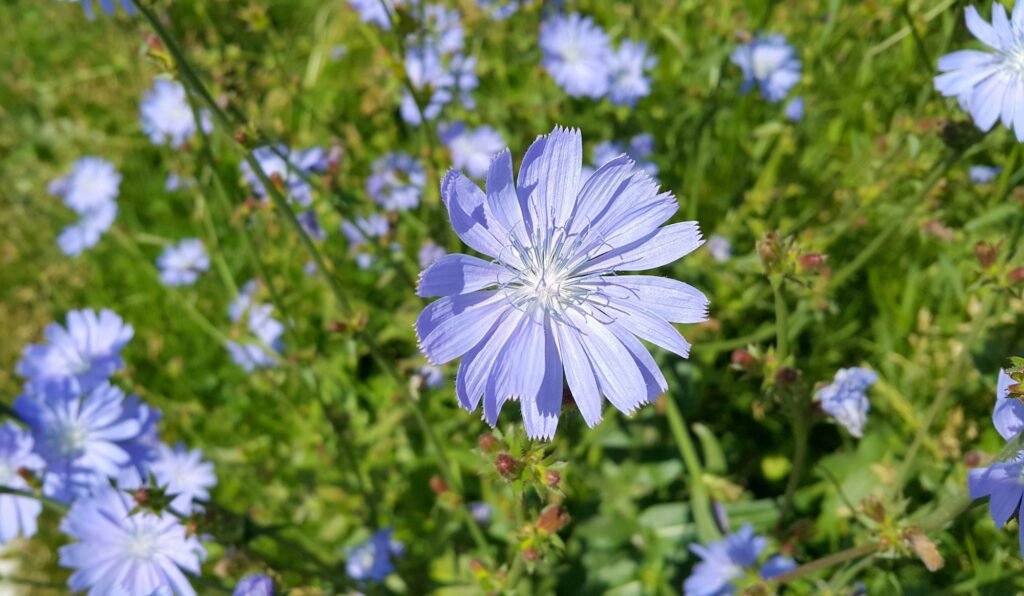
(794, 110)
(396, 181)
(108, 7)
(292, 166)
(734, 557)
(311, 224)
(87, 231)
(254, 585)
(770, 63)
(987, 83)
(640, 147)
(374, 11)
(17, 514)
(92, 183)
(429, 254)
(167, 118)
(431, 376)
(181, 264)
(441, 29)
(499, 10)
(373, 560)
(719, 247)
(846, 400)
(116, 550)
(427, 73)
(983, 174)
(1008, 414)
(185, 475)
(627, 78)
(551, 300)
(266, 331)
(84, 353)
(576, 54)
(481, 512)
(472, 148)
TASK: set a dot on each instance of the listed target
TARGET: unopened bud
(531, 555)
(743, 359)
(1016, 276)
(506, 465)
(241, 137)
(972, 459)
(142, 496)
(552, 478)
(786, 375)
(986, 254)
(487, 442)
(277, 180)
(812, 261)
(552, 519)
(27, 475)
(874, 509)
(337, 326)
(438, 485)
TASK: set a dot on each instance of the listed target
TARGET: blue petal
(453, 325)
(579, 374)
(617, 373)
(598, 192)
(465, 208)
(519, 369)
(459, 274)
(558, 179)
(982, 30)
(502, 201)
(471, 380)
(540, 412)
(661, 247)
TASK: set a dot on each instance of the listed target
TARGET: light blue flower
(265, 331)
(87, 231)
(471, 148)
(396, 181)
(363, 229)
(725, 561)
(627, 73)
(770, 63)
(311, 224)
(93, 183)
(441, 29)
(292, 167)
(254, 585)
(428, 76)
(167, 118)
(639, 149)
(549, 297)
(989, 84)
(372, 560)
(719, 247)
(86, 438)
(481, 512)
(983, 174)
(1008, 414)
(374, 11)
(431, 376)
(794, 110)
(846, 400)
(116, 550)
(1002, 483)
(499, 10)
(176, 182)
(576, 54)
(17, 514)
(181, 264)
(108, 7)
(184, 474)
(83, 354)
(429, 254)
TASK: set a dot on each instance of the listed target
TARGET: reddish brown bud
(1016, 389)
(506, 465)
(972, 459)
(487, 443)
(476, 566)
(241, 137)
(438, 485)
(986, 254)
(531, 555)
(26, 475)
(1016, 276)
(337, 326)
(811, 261)
(786, 375)
(154, 43)
(552, 478)
(552, 519)
(141, 496)
(743, 359)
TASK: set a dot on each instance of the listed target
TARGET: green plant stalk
(826, 562)
(700, 502)
(51, 504)
(781, 316)
(798, 418)
(281, 204)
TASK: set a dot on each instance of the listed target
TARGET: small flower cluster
(579, 56)
(89, 445)
(90, 190)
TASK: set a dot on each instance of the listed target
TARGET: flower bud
(552, 519)
(743, 359)
(531, 555)
(438, 485)
(507, 465)
(986, 254)
(811, 261)
(241, 137)
(786, 375)
(337, 326)
(142, 496)
(874, 509)
(552, 478)
(1016, 276)
(487, 443)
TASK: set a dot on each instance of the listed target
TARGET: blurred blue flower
(983, 174)
(1003, 484)
(770, 63)
(431, 376)
(429, 254)
(177, 182)
(719, 247)
(428, 76)
(265, 330)
(365, 260)
(1008, 414)
(794, 110)
(181, 264)
(292, 167)
(311, 224)
(83, 354)
(254, 585)
(988, 83)
(639, 148)
(86, 438)
(627, 78)
(372, 560)
(730, 559)
(116, 550)
(17, 514)
(87, 231)
(499, 10)
(471, 148)
(93, 183)
(576, 54)
(550, 300)
(396, 181)
(481, 512)
(185, 475)
(442, 29)
(167, 117)
(462, 69)
(108, 7)
(846, 400)
(363, 229)
(374, 11)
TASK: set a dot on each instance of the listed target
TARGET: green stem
(826, 562)
(781, 327)
(47, 502)
(700, 502)
(798, 417)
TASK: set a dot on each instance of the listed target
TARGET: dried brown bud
(552, 478)
(874, 509)
(812, 261)
(487, 443)
(241, 137)
(507, 465)
(337, 326)
(438, 485)
(552, 519)
(1016, 276)
(743, 359)
(786, 375)
(26, 474)
(972, 459)
(925, 549)
(986, 254)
